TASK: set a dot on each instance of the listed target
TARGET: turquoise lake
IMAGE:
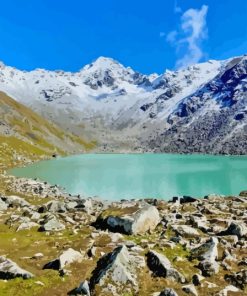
(118, 176)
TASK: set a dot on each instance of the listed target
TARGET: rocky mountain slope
(198, 109)
(26, 136)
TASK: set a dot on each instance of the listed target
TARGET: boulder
(207, 253)
(185, 231)
(15, 201)
(130, 220)
(10, 270)
(118, 266)
(27, 225)
(66, 258)
(235, 228)
(161, 267)
(51, 224)
(54, 206)
(85, 205)
(71, 205)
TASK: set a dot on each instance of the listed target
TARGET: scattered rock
(66, 258)
(118, 266)
(238, 279)
(235, 228)
(161, 267)
(51, 224)
(27, 225)
(168, 292)
(227, 289)
(190, 289)
(15, 201)
(54, 206)
(38, 256)
(185, 231)
(10, 270)
(207, 253)
(132, 220)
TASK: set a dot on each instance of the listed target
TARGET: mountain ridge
(109, 98)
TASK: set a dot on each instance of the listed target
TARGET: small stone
(168, 292)
(190, 289)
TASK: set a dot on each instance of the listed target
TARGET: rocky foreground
(52, 243)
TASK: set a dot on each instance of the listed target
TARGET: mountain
(25, 135)
(197, 109)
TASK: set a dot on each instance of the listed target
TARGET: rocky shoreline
(54, 243)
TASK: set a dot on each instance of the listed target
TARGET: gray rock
(141, 220)
(186, 231)
(168, 292)
(190, 289)
(27, 225)
(71, 205)
(207, 253)
(35, 216)
(54, 206)
(236, 228)
(67, 257)
(161, 267)
(118, 266)
(51, 224)
(238, 279)
(16, 201)
(10, 270)
(86, 205)
(227, 289)
(3, 205)
(83, 289)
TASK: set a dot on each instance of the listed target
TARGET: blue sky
(149, 36)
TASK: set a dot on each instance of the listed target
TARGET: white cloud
(171, 37)
(188, 38)
(162, 34)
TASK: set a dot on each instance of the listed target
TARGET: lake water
(117, 176)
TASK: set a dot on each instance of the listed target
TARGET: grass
(17, 245)
(28, 136)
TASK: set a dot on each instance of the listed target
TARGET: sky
(149, 36)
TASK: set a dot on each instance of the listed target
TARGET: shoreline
(50, 158)
(55, 243)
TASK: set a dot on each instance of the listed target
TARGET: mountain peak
(103, 63)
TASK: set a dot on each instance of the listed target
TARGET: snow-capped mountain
(206, 101)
